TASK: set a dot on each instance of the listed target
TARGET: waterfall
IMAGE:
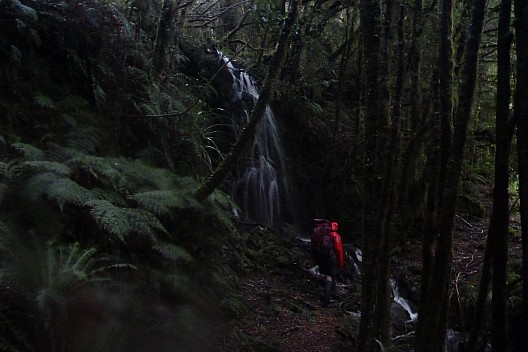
(399, 300)
(262, 190)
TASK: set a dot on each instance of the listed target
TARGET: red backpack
(322, 241)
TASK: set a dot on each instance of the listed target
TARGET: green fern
(145, 223)
(3, 169)
(63, 269)
(163, 202)
(4, 231)
(16, 55)
(74, 103)
(110, 195)
(102, 169)
(122, 222)
(44, 101)
(52, 166)
(220, 207)
(29, 151)
(57, 188)
(84, 139)
(3, 192)
(111, 218)
(173, 253)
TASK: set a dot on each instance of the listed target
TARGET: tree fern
(173, 253)
(59, 189)
(163, 202)
(74, 103)
(110, 195)
(29, 151)
(63, 269)
(103, 169)
(111, 218)
(52, 166)
(85, 139)
(221, 207)
(122, 221)
(3, 192)
(145, 223)
(44, 101)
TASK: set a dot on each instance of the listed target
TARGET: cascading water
(262, 191)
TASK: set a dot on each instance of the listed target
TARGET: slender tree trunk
(445, 64)
(496, 246)
(476, 338)
(249, 131)
(434, 315)
(390, 195)
(500, 214)
(521, 115)
(445, 98)
(164, 36)
(370, 36)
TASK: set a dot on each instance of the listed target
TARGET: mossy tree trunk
(500, 217)
(164, 36)
(496, 254)
(370, 36)
(433, 315)
(436, 185)
(248, 133)
(521, 115)
(381, 158)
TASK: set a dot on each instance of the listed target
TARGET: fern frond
(111, 218)
(15, 56)
(3, 170)
(221, 207)
(173, 253)
(73, 103)
(84, 139)
(122, 221)
(145, 223)
(109, 195)
(29, 151)
(161, 202)
(3, 192)
(52, 166)
(4, 230)
(44, 101)
(222, 199)
(57, 188)
(98, 93)
(103, 169)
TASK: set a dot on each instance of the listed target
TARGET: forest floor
(277, 307)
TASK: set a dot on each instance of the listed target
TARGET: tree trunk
(496, 246)
(433, 317)
(370, 36)
(445, 79)
(500, 214)
(445, 64)
(249, 131)
(164, 36)
(521, 115)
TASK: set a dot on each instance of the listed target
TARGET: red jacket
(338, 245)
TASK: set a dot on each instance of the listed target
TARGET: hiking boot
(325, 299)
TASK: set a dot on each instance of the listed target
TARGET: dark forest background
(397, 118)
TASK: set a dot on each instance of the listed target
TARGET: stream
(403, 310)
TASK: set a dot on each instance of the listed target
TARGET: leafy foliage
(93, 194)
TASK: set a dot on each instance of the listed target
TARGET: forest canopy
(131, 133)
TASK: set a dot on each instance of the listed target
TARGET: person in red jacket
(327, 253)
